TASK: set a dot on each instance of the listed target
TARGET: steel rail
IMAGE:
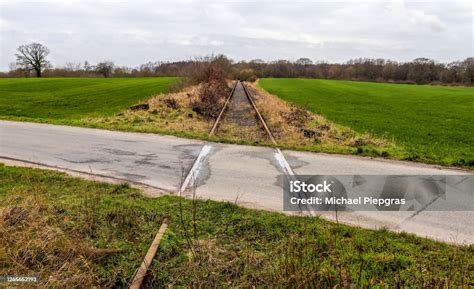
(260, 117)
(214, 127)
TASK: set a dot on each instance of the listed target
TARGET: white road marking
(194, 171)
(284, 163)
(280, 157)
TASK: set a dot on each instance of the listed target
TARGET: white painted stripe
(283, 163)
(290, 173)
(194, 171)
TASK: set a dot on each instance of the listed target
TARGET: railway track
(240, 115)
(240, 110)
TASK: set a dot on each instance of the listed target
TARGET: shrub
(247, 75)
(210, 99)
(212, 77)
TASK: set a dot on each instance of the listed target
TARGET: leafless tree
(469, 70)
(87, 66)
(105, 68)
(32, 57)
(304, 61)
(257, 61)
(72, 66)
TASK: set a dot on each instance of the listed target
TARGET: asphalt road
(249, 176)
(158, 161)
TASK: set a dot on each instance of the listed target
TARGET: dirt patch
(140, 106)
(14, 216)
(171, 103)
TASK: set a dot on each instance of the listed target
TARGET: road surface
(250, 176)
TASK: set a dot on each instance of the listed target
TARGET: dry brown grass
(166, 113)
(292, 125)
(32, 244)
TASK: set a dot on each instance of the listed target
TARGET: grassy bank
(56, 99)
(432, 123)
(53, 226)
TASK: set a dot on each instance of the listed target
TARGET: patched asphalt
(250, 176)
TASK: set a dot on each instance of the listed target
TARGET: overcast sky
(134, 32)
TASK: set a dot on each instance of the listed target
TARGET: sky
(135, 32)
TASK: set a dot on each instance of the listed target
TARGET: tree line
(419, 71)
(31, 61)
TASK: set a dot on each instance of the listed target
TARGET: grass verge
(432, 124)
(56, 227)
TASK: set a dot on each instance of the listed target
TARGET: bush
(252, 78)
(210, 69)
(212, 77)
(210, 99)
(247, 75)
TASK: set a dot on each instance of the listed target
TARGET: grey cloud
(133, 32)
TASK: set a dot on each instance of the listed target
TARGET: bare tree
(257, 61)
(32, 57)
(469, 70)
(105, 68)
(304, 61)
(72, 66)
(421, 70)
(87, 66)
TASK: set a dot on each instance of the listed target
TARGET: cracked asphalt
(249, 176)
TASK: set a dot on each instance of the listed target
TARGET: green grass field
(49, 222)
(433, 123)
(74, 98)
